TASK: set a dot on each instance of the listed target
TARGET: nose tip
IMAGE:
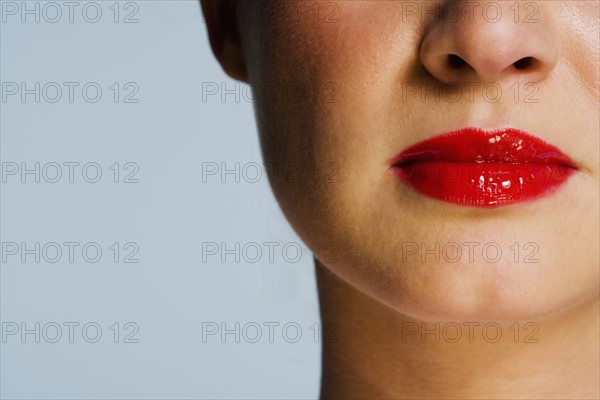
(479, 50)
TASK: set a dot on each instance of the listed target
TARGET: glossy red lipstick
(477, 168)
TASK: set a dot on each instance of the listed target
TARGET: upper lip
(474, 145)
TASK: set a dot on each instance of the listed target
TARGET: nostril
(524, 63)
(455, 61)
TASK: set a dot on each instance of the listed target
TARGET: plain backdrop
(143, 253)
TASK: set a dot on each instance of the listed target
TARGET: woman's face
(343, 87)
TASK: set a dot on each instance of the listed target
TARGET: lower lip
(482, 169)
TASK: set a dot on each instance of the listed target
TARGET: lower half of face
(342, 91)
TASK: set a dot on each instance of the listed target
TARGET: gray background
(177, 129)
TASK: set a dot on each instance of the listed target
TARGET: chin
(458, 292)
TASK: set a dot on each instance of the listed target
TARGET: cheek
(324, 86)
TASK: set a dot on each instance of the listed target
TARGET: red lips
(477, 168)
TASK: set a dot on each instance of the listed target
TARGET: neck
(372, 351)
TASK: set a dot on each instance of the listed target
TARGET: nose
(489, 42)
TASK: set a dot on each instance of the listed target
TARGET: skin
(352, 112)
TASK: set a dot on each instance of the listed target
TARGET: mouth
(487, 169)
